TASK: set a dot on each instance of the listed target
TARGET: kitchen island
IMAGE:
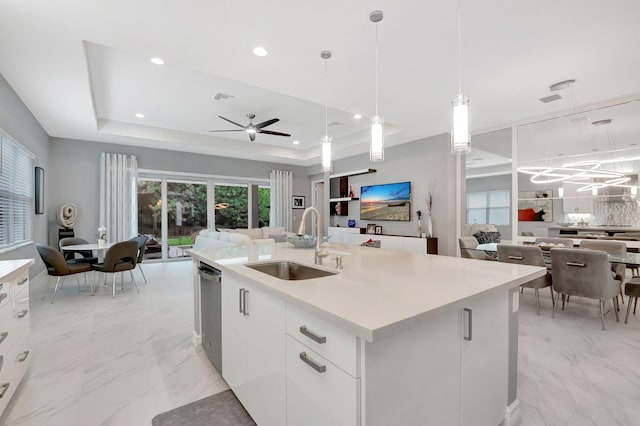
(393, 338)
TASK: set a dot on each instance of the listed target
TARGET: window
(264, 205)
(488, 207)
(232, 205)
(16, 194)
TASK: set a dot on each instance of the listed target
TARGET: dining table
(99, 249)
(629, 259)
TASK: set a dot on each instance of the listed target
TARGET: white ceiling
(82, 67)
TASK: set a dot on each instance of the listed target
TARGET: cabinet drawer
(20, 285)
(7, 389)
(5, 294)
(330, 341)
(319, 398)
(15, 363)
(8, 330)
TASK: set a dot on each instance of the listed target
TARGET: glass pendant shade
(594, 191)
(561, 192)
(634, 191)
(326, 153)
(376, 149)
(460, 138)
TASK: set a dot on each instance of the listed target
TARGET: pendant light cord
(376, 69)
(459, 49)
(326, 99)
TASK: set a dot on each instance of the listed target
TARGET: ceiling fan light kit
(253, 129)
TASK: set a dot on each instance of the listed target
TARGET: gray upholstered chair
(615, 248)
(58, 267)
(119, 258)
(632, 289)
(583, 273)
(467, 249)
(527, 255)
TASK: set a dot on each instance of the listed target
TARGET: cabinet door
(253, 352)
(318, 392)
(485, 359)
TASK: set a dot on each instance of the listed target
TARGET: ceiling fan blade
(252, 137)
(232, 122)
(269, 132)
(267, 123)
(234, 130)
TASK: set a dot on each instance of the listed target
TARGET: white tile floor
(98, 361)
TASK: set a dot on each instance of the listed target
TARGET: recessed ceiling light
(357, 116)
(260, 51)
(296, 142)
(633, 144)
(594, 149)
(139, 115)
(157, 61)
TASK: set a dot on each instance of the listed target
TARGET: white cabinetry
(14, 327)
(253, 348)
(576, 202)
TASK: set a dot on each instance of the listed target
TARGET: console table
(353, 237)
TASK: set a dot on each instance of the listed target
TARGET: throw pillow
(278, 238)
(487, 237)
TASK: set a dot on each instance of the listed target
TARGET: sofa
(228, 237)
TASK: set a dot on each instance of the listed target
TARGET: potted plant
(102, 236)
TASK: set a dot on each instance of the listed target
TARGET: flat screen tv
(390, 201)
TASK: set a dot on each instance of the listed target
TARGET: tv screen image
(391, 201)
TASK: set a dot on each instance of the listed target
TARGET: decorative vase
(429, 227)
(419, 228)
(351, 223)
(102, 243)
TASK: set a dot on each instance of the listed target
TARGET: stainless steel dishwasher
(211, 311)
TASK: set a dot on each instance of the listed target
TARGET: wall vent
(334, 124)
(219, 96)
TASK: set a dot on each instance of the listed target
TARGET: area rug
(221, 409)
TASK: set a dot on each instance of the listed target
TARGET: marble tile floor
(103, 361)
(98, 361)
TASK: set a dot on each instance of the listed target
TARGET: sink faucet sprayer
(320, 253)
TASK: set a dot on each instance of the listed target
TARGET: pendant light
(326, 140)
(460, 138)
(376, 148)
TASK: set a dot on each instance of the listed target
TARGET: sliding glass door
(186, 215)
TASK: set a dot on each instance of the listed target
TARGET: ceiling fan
(252, 129)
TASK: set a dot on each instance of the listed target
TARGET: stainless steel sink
(291, 271)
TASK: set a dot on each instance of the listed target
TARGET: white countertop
(378, 290)
(9, 267)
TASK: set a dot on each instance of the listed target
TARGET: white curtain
(118, 196)
(281, 198)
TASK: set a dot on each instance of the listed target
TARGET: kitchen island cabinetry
(372, 345)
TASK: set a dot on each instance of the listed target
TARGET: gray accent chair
(119, 258)
(527, 255)
(468, 251)
(615, 248)
(584, 273)
(632, 289)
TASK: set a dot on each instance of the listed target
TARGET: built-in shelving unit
(339, 191)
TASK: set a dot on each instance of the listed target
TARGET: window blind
(16, 194)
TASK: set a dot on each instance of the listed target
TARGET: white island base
(357, 350)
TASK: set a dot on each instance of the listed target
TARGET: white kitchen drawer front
(7, 389)
(16, 363)
(8, 330)
(330, 341)
(318, 392)
(20, 285)
(21, 315)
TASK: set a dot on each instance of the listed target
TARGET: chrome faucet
(320, 253)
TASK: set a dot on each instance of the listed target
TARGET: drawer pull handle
(23, 314)
(245, 304)
(575, 264)
(469, 336)
(240, 300)
(23, 281)
(4, 388)
(3, 336)
(1, 361)
(22, 356)
(311, 363)
(1, 286)
(3, 296)
(516, 257)
(311, 335)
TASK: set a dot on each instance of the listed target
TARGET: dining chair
(583, 273)
(142, 245)
(615, 248)
(632, 289)
(87, 255)
(527, 255)
(120, 257)
(468, 249)
(58, 267)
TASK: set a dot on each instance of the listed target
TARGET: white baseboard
(512, 416)
(196, 340)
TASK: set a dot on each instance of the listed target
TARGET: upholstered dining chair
(120, 257)
(632, 289)
(86, 255)
(615, 248)
(527, 255)
(584, 273)
(468, 251)
(58, 267)
(142, 245)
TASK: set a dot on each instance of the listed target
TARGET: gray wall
(17, 121)
(74, 167)
(421, 162)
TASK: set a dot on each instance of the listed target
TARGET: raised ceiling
(82, 67)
